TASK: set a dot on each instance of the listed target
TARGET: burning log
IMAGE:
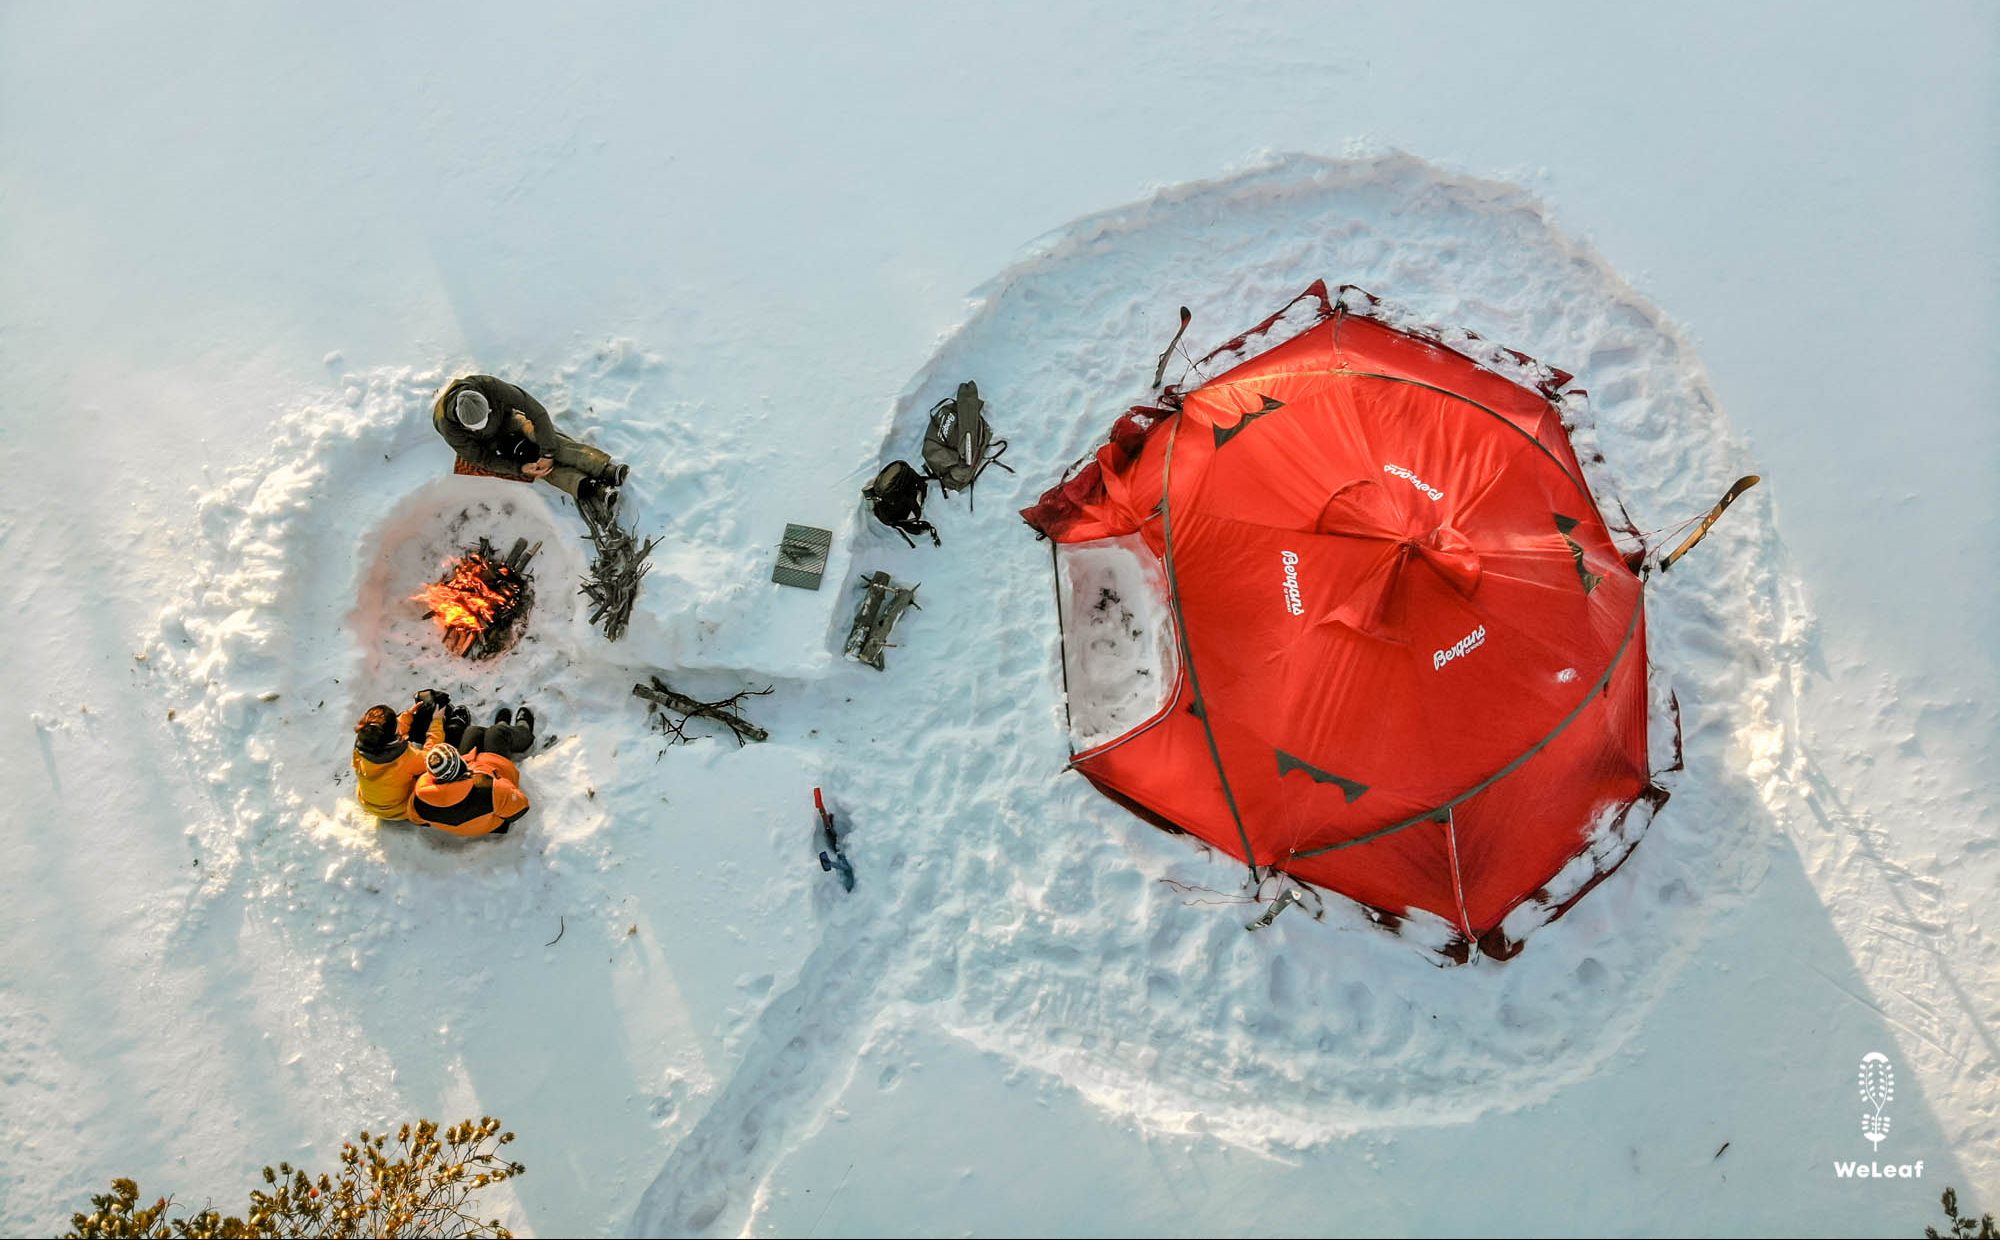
(662, 698)
(613, 584)
(482, 598)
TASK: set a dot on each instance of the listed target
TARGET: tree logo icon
(1878, 1086)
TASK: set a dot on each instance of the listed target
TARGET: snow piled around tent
(1000, 898)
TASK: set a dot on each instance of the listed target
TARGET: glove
(437, 698)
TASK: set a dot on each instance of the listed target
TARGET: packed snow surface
(1034, 1013)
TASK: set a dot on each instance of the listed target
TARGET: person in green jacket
(497, 428)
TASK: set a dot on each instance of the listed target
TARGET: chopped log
(518, 558)
(883, 602)
(664, 698)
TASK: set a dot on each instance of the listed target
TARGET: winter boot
(597, 501)
(524, 718)
(503, 717)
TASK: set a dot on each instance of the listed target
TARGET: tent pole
(1187, 650)
(1062, 650)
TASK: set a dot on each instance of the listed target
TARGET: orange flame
(463, 604)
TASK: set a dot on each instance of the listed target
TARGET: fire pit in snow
(482, 601)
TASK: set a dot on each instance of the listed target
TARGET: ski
(1701, 531)
(831, 858)
(1160, 370)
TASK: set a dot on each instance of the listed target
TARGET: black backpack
(897, 497)
(959, 444)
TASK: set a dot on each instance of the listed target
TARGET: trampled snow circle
(1000, 897)
(1068, 935)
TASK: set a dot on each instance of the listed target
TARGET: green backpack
(959, 444)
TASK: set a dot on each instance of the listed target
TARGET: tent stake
(1187, 316)
(1286, 898)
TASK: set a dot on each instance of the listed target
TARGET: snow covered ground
(239, 250)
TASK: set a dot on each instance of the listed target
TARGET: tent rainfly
(1348, 612)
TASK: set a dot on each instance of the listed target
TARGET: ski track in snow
(1000, 898)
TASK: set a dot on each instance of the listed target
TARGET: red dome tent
(1398, 656)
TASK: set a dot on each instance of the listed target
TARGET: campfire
(480, 602)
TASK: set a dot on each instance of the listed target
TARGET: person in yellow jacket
(477, 792)
(388, 753)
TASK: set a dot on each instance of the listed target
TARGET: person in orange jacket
(388, 752)
(477, 791)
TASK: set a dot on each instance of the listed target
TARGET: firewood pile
(613, 584)
(482, 599)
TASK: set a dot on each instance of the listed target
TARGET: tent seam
(1187, 645)
(1502, 418)
(1632, 628)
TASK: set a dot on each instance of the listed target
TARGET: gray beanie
(471, 409)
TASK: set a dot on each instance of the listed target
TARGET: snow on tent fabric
(1408, 663)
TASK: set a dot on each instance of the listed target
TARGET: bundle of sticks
(613, 584)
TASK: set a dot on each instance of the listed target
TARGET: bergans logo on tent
(1458, 649)
(1413, 480)
(1293, 603)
